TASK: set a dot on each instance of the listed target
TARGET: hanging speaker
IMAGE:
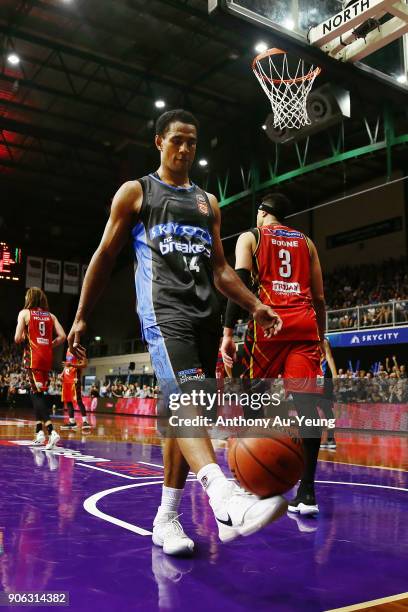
(326, 106)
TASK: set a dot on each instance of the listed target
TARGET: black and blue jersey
(173, 246)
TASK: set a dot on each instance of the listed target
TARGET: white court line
(160, 466)
(91, 507)
(369, 604)
(93, 467)
(376, 467)
(361, 484)
(152, 464)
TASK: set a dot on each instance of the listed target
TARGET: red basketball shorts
(38, 379)
(68, 392)
(298, 362)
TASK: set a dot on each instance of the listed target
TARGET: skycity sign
(389, 335)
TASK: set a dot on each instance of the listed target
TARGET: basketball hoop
(287, 93)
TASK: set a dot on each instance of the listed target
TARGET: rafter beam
(105, 127)
(30, 84)
(63, 177)
(54, 154)
(123, 67)
(60, 136)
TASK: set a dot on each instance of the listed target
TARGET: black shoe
(304, 504)
(69, 426)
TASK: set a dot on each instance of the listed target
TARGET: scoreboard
(10, 262)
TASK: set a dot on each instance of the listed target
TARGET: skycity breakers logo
(185, 239)
(192, 374)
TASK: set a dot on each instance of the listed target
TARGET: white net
(287, 89)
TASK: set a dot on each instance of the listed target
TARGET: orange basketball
(266, 466)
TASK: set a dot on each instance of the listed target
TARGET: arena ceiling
(77, 113)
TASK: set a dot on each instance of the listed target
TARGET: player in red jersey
(41, 332)
(289, 280)
(71, 388)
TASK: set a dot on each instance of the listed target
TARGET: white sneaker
(243, 513)
(53, 462)
(38, 456)
(304, 509)
(39, 439)
(304, 525)
(52, 440)
(169, 534)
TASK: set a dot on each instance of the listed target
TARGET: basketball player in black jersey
(175, 228)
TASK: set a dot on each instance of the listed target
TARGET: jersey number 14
(192, 264)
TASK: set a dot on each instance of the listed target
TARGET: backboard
(293, 19)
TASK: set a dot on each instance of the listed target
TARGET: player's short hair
(276, 204)
(166, 119)
(36, 298)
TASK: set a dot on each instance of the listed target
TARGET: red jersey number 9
(42, 329)
(285, 269)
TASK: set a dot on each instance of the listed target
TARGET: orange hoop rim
(275, 51)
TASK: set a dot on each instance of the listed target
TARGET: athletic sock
(214, 483)
(38, 428)
(170, 500)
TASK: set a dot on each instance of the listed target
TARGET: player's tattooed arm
(125, 208)
(228, 282)
(22, 321)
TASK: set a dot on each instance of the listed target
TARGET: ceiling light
(160, 104)
(261, 47)
(402, 78)
(203, 163)
(264, 127)
(289, 24)
(13, 58)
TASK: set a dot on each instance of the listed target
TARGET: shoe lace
(176, 526)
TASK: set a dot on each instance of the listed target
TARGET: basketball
(266, 466)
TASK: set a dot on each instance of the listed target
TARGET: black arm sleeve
(233, 311)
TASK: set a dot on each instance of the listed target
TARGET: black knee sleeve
(306, 406)
(40, 407)
(70, 410)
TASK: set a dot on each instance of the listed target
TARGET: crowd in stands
(122, 389)
(367, 284)
(380, 292)
(380, 384)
